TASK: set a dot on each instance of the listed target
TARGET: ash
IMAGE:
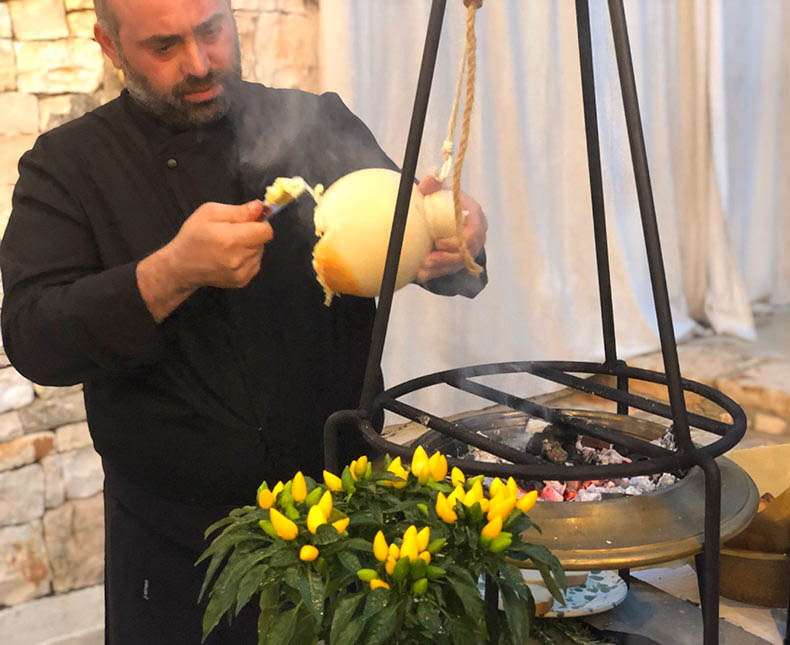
(592, 490)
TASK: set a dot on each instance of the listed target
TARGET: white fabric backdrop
(527, 166)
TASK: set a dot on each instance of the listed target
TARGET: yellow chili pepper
(527, 501)
(378, 583)
(457, 476)
(394, 551)
(474, 494)
(308, 553)
(285, 528)
(423, 537)
(278, 488)
(299, 487)
(389, 567)
(493, 528)
(362, 464)
(438, 466)
(332, 482)
(341, 524)
(380, 547)
(425, 556)
(265, 498)
(397, 469)
(420, 467)
(444, 511)
(315, 518)
(496, 485)
(325, 503)
(512, 487)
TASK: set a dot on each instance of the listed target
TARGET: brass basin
(624, 532)
(755, 577)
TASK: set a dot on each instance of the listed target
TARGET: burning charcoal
(554, 452)
(593, 442)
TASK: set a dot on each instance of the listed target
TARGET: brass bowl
(629, 531)
(755, 577)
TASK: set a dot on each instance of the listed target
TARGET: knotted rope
(468, 69)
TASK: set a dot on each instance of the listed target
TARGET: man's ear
(108, 45)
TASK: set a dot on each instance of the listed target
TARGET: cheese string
(468, 69)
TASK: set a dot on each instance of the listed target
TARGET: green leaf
(248, 585)
(375, 602)
(218, 524)
(349, 560)
(517, 617)
(284, 558)
(428, 615)
(461, 634)
(282, 628)
(325, 534)
(465, 587)
(311, 588)
(382, 624)
(351, 633)
(345, 610)
(362, 518)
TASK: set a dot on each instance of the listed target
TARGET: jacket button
(172, 163)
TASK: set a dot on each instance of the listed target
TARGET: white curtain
(711, 118)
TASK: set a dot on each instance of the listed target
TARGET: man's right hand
(219, 245)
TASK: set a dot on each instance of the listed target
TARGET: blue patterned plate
(602, 591)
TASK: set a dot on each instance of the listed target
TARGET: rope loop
(478, 3)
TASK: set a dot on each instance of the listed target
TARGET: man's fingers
(254, 234)
(249, 212)
(429, 184)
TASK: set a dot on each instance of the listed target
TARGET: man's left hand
(446, 257)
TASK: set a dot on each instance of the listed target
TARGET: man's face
(181, 58)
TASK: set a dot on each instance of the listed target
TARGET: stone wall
(51, 71)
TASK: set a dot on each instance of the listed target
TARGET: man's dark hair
(106, 17)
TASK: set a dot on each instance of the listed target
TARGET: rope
(470, 65)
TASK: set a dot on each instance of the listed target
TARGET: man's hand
(219, 245)
(446, 257)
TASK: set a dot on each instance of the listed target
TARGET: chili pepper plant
(394, 554)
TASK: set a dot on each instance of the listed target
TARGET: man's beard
(171, 106)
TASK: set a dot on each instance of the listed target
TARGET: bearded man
(134, 263)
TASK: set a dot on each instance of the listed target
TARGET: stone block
(54, 490)
(764, 385)
(81, 23)
(24, 569)
(21, 495)
(57, 110)
(10, 426)
(246, 24)
(59, 66)
(7, 65)
(46, 414)
(72, 436)
(5, 21)
(82, 472)
(286, 42)
(769, 423)
(15, 390)
(26, 450)
(38, 19)
(20, 113)
(11, 149)
(74, 537)
(77, 5)
(51, 392)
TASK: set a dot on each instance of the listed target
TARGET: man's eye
(161, 50)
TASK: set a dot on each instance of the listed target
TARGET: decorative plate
(602, 591)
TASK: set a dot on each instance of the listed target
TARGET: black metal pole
(709, 599)
(649, 225)
(369, 388)
(596, 180)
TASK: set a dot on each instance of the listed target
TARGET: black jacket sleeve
(66, 317)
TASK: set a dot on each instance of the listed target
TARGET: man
(136, 263)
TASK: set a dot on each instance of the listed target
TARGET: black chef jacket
(235, 385)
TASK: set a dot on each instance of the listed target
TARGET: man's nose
(195, 61)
